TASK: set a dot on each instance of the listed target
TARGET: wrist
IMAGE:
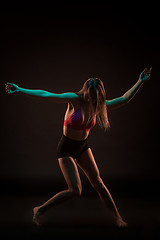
(140, 81)
(18, 89)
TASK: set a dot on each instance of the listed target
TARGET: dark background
(57, 49)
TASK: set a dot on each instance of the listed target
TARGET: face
(93, 94)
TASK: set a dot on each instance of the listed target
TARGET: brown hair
(93, 93)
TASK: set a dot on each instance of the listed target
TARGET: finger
(149, 72)
(6, 88)
(10, 84)
(150, 69)
(143, 72)
(149, 75)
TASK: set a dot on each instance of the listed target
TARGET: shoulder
(116, 103)
(76, 101)
(73, 98)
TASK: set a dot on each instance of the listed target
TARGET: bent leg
(87, 163)
(71, 175)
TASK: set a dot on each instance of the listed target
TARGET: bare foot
(36, 216)
(120, 223)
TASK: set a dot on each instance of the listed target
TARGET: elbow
(43, 94)
(124, 99)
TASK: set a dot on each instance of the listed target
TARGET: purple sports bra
(75, 121)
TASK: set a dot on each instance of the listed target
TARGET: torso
(78, 135)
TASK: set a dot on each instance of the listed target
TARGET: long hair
(93, 95)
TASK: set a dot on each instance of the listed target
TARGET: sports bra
(75, 121)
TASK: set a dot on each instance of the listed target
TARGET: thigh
(70, 172)
(88, 164)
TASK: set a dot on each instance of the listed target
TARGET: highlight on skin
(92, 100)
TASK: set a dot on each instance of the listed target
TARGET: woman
(84, 107)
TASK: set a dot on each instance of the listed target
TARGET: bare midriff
(78, 135)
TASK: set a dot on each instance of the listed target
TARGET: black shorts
(72, 148)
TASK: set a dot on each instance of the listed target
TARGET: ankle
(115, 217)
(41, 210)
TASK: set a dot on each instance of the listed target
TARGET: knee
(76, 192)
(97, 183)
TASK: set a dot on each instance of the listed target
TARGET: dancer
(84, 108)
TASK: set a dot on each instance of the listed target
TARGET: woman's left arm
(126, 97)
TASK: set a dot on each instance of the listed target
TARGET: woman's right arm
(125, 98)
(61, 97)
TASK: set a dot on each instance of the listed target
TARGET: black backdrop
(57, 49)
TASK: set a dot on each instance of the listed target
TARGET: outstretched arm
(60, 98)
(126, 97)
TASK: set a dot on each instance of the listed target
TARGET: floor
(82, 217)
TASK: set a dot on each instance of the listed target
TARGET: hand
(11, 88)
(145, 75)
